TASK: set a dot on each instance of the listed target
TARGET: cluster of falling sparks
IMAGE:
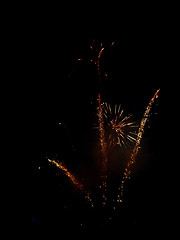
(114, 129)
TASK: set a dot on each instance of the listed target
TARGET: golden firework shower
(114, 129)
(72, 178)
(127, 171)
(103, 146)
(67, 173)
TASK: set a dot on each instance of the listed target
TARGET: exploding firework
(96, 56)
(115, 129)
(120, 129)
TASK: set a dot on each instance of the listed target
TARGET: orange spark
(103, 146)
(67, 173)
(127, 171)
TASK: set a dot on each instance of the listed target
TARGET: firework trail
(103, 146)
(96, 57)
(80, 186)
(127, 171)
(98, 64)
(75, 182)
(67, 173)
(114, 129)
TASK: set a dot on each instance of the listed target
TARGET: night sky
(65, 91)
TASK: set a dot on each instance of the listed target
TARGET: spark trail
(102, 131)
(114, 129)
(98, 64)
(75, 182)
(103, 147)
(127, 171)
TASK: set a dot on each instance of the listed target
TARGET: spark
(75, 182)
(103, 145)
(67, 173)
(127, 171)
(97, 51)
(121, 130)
(115, 128)
(98, 63)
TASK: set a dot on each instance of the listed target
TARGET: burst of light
(121, 129)
(114, 129)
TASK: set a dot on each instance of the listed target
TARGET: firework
(121, 129)
(127, 171)
(67, 173)
(103, 145)
(96, 54)
(73, 180)
(115, 128)
(98, 63)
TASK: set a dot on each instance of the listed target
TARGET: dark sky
(65, 90)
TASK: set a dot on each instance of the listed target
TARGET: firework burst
(115, 129)
(120, 129)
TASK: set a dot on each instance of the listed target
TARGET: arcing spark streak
(114, 129)
(72, 178)
(127, 171)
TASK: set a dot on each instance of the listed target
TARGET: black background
(65, 90)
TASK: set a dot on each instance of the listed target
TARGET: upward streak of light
(103, 144)
(98, 60)
(67, 173)
(98, 64)
(114, 129)
(127, 171)
(75, 182)
(102, 132)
